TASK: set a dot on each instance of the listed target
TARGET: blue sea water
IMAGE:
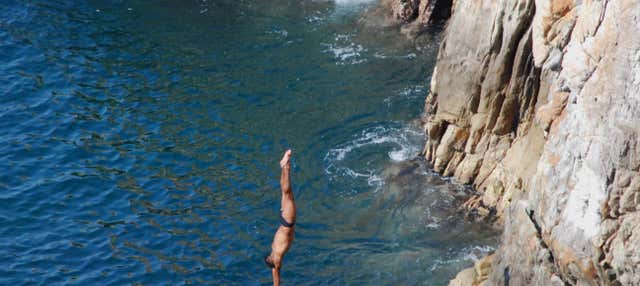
(139, 144)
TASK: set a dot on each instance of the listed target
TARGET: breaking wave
(404, 142)
(363, 157)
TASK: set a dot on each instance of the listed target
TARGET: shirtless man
(283, 238)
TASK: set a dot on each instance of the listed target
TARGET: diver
(283, 238)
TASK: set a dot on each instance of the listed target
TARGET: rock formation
(414, 16)
(476, 275)
(537, 104)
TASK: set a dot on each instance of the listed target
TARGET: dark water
(139, 143)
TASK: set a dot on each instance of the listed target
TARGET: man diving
(283, 238)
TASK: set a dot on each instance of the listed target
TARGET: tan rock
(550, 111)
(464, 278)
(493, 193)
(405, 10)
(541, 103)
(453, 163)
(467, 170)
(453, 140)
(483, 267)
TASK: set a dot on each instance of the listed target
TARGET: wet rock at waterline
(537, 104)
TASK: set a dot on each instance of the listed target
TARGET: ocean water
(139, 144)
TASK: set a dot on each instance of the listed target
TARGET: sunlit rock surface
(537, 104)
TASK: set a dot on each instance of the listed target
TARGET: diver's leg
(285, 165)
(287, 203)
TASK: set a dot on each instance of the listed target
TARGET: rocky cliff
(537, 104)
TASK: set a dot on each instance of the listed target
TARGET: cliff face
(537, 104)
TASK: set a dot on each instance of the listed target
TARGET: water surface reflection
(140, 145)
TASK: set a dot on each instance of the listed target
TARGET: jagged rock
(483, 267)
(414, 16)
(404, 10)
(476, 275)
(474, 91)
(625, 259)
(464, 278)
(537, 104)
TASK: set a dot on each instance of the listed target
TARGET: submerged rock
(417, 194)
(424, 203)
(537, 104)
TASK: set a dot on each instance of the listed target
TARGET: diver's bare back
(283, 238)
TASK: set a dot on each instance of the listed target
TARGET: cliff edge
(537, 104)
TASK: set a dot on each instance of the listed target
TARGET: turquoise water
(139, 144)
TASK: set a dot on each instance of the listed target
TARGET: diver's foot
(286, 158)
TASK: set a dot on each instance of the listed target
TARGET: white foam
(402, 154)
(472, 254)
(433, 225)
(315, 19)
(281, 33)
(408, 93)
(353, 174)
(344, 50)
(375, 180)
(349, 54)
(435, 221)
(379, 55)
(406, 140)
(412, 91)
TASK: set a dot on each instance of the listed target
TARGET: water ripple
(139, 145)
